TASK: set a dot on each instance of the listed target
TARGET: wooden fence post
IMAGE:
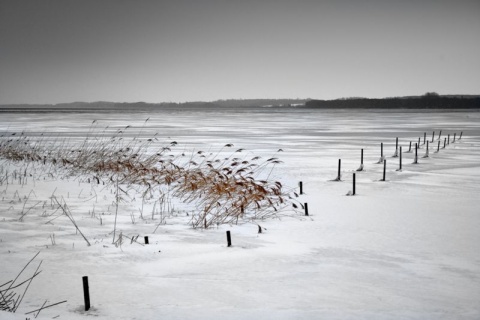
(353, 184)
(86, 293)
(361, 161)
(400, 167)
(229, 239)
(396, 148)
(339, 177)
(384, 169)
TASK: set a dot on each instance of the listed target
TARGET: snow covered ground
(406, 248)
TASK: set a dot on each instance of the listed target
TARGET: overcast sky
(54, 51)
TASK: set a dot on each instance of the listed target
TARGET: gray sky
(55, 51)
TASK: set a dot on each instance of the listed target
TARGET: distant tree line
(431, 100)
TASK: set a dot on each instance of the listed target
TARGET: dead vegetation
(12, 292)
(228, 186)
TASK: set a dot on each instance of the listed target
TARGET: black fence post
(229, 239)
(339, 168)
(426, 152)
(361, 161)
(460, 135)
(454, 136)
(396, 148)
(410, 147)
(438, 148)
(86, 293)
(448, 139)
(424, 137)
(353, 185)
(433, 136)
(444, 143)
(384, 169)
(300, 184)
(146, 239)
(400, 168)
(440, 135)
(306, 208)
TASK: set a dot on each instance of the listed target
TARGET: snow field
(406, 248)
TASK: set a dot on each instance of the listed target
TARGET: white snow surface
(406, 248)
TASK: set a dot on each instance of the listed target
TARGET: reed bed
(227, 186)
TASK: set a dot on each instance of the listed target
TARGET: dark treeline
(424, 102)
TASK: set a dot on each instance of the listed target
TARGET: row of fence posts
(398, 154)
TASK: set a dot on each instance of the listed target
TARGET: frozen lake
(406, 248)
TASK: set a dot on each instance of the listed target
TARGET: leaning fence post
(440, 135)
(229, 239)
(410, 147)
(433, 136)
(460, 135)
(86, 293)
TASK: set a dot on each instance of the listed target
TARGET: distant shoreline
(426, 102)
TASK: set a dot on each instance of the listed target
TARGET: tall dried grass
(224, 189)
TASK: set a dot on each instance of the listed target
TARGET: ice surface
(406, 248)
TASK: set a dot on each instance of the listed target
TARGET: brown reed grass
(224, 190)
